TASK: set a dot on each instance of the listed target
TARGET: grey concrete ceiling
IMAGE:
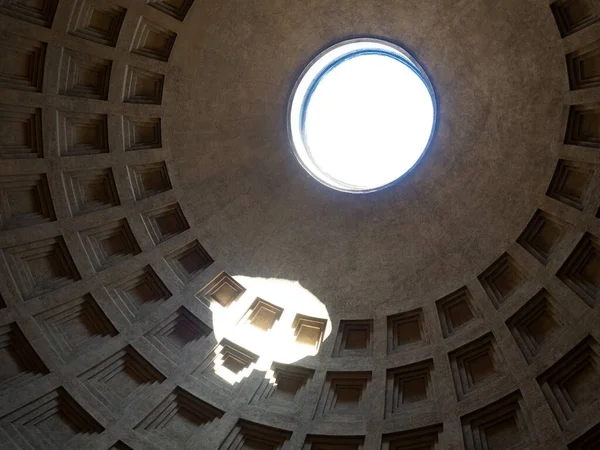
(144, 162)
(499, 80)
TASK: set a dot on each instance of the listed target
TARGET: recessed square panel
(309, 330)
(263, 315)
(223, 290)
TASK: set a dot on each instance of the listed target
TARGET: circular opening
(361, 115)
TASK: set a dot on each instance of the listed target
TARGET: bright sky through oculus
(361, 119)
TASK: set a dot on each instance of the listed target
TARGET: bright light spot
(277, 343)
(227, 374)
(368, 120)
(362, 115)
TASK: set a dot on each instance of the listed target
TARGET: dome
(172, 276)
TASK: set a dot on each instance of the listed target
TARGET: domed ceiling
(173, 278)
(498, 81)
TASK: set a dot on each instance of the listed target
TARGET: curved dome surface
(150, 195)
(491, 138)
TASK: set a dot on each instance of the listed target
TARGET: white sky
(368, 120)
